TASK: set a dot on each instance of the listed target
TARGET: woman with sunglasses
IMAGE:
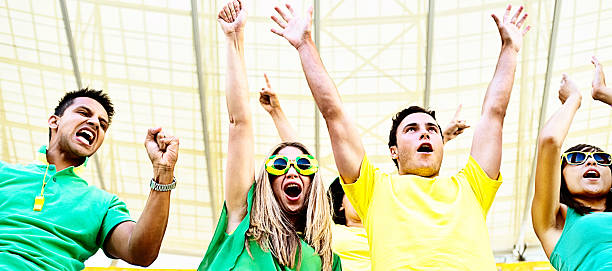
(282, 220)
(572, 201)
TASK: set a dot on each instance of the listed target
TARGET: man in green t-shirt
(51, 219)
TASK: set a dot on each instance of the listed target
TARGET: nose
(424, 135)
(292, 173)
(591, 161)
(93, 121)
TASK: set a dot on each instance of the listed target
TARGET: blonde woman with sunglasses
(282, 220)
(571, 206)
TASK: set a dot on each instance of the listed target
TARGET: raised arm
(270, 103)
(600, 91)
(346, 142)
(240, 169)
(487, 140)
(455, 127)
(139, 243)
(546, 203)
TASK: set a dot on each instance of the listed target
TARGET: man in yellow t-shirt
(414, 219)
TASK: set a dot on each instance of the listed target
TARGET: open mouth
(86, 136)
(293, 190)
(591, 173)
(425, 148)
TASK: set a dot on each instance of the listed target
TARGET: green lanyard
(39, 201)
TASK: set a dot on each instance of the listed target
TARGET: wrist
(163, 174)
(306, 44)
(236, 35)
(509, 49)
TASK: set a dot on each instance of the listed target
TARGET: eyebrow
(89, 111)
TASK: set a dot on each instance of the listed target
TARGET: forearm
(345, 140)
(283, 127)
(236, 80)
(321, 85)
(146, 238)
(556, 128)
(498, 92)
(603, 94)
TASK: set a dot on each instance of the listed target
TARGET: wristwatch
(162, 187)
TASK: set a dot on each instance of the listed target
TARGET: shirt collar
(41, 156)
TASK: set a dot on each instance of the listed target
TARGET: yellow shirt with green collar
(418, 223)
(72, 225)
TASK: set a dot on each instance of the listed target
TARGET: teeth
(90, 134)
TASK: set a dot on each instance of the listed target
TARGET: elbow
(496, 112)
(547, 140)
(331, 113)
(145, 260)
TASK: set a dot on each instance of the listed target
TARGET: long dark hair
(567, 198)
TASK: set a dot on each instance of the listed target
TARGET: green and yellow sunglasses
(303, 164)
(579, 157)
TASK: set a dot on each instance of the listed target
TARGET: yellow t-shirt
(417, 223)
(351, 244)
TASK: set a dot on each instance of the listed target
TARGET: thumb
(152, 133)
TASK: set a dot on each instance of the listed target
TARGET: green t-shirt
(585, 243)
(227, 251)
(72, 225)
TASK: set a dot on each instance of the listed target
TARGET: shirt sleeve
(116, 213)
(360, 192)
(484, 188)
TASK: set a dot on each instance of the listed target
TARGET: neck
(354, 223)
(597, 204)
(298, 221)
(61, 160)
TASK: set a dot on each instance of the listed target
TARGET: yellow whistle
(39, 201)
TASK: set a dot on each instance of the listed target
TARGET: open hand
(267, 97)
(162, 149)
(567, 89)
(510, 29)
(599, 79)
(296, 29)
(232, 16)
(455, 127)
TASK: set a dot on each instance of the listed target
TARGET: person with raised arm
(414, 218)
(572, 203)
(52, 219)
(349, 237)
(281, 220)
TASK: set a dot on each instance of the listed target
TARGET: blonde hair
(272, 230)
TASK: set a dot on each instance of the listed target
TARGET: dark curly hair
(566, 197)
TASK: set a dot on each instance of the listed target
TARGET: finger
(521, 21)
(232, 11)
(279, 22)
(223, 16)
(267, 81)
(277, 32)
(457, 111)
(152, 132)
(310, 11)
(290, 9)
(228, 14)
(594, 60)
(496, 20)
(516, 14)
(237, 8)
(507, 12)
(526, 30)
(282, 14)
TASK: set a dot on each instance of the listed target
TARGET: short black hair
(68, 99)
(337, 194)
(567, 198)
(400, 116)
